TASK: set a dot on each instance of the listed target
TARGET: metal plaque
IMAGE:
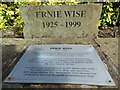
(73, 64)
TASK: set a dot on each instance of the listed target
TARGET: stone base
(13, 49)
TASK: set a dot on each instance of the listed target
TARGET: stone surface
(56, 21)
(14, 48)
(109, 48)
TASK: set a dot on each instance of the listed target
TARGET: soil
(110, 32)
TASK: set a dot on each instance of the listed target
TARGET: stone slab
(19, 45)
(109, 46)
(56, 21)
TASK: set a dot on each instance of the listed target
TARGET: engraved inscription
(60, 71)
(48, 14)
(61, 21)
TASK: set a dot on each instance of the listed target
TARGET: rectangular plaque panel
(73, 64)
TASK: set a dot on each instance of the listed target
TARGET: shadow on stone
(10, 56)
